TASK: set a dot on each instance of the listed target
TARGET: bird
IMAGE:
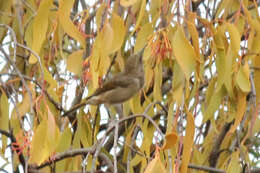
(120, 87)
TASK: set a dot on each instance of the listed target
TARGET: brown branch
(66, 154)
(206, 168)
(214, 155)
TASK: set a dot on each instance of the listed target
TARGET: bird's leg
(119, 110)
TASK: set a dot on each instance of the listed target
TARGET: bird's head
(134, 63)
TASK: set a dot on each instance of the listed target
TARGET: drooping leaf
(170, 140)
(99, 15)
(184, 53)
(155, 165)
(178, 84)
(53, 133)
(75, 62)
(103, 43)
(142, 36)
(213, 104)
(66, 23)
(158, 82)
(155, 6)
(257, 78)
(64, 144)
(38, 150)
(234, 165)
(243, 78)
(4, 117)
(40, 26)
(188, 142)
(241, 108)
(48, 77)
(119, 28)
(234, 37)
(140, 16)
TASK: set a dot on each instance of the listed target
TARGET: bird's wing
(122, 81)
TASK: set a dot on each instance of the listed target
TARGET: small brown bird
(120, 87)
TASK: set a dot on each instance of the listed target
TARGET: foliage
(198, 110)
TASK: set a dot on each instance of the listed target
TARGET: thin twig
(115, 147)
(206, 168)
(57, 105)
(13, 62)
(37, 56)
(136, 130)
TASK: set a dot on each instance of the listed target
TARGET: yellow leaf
(4, 117)
(170, 119)
(103, 43)
(66, 23)
(241, 108)
(155, 165)
(221, 68)
(149, 75)
(48, 77)
(234, 38)
(135, 104)
(256, 128)
(75, 61)
(51, 126)
(213, 104)
(155, 6)
(104, 65)
(194, 33)
(257, 78)
(5, 8)
(40, 26)
(228, 78)
(127, 3)
(24, 107)
(188, 142)
(65, 140)
(170, 140)
(234, 165)
(242, 78)
(118, 28)
(142, 36)
(255, 42)
(178, 84)
(157, 93)
(99, 14)
(184, 53)
(38, 149)
(140, 16)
